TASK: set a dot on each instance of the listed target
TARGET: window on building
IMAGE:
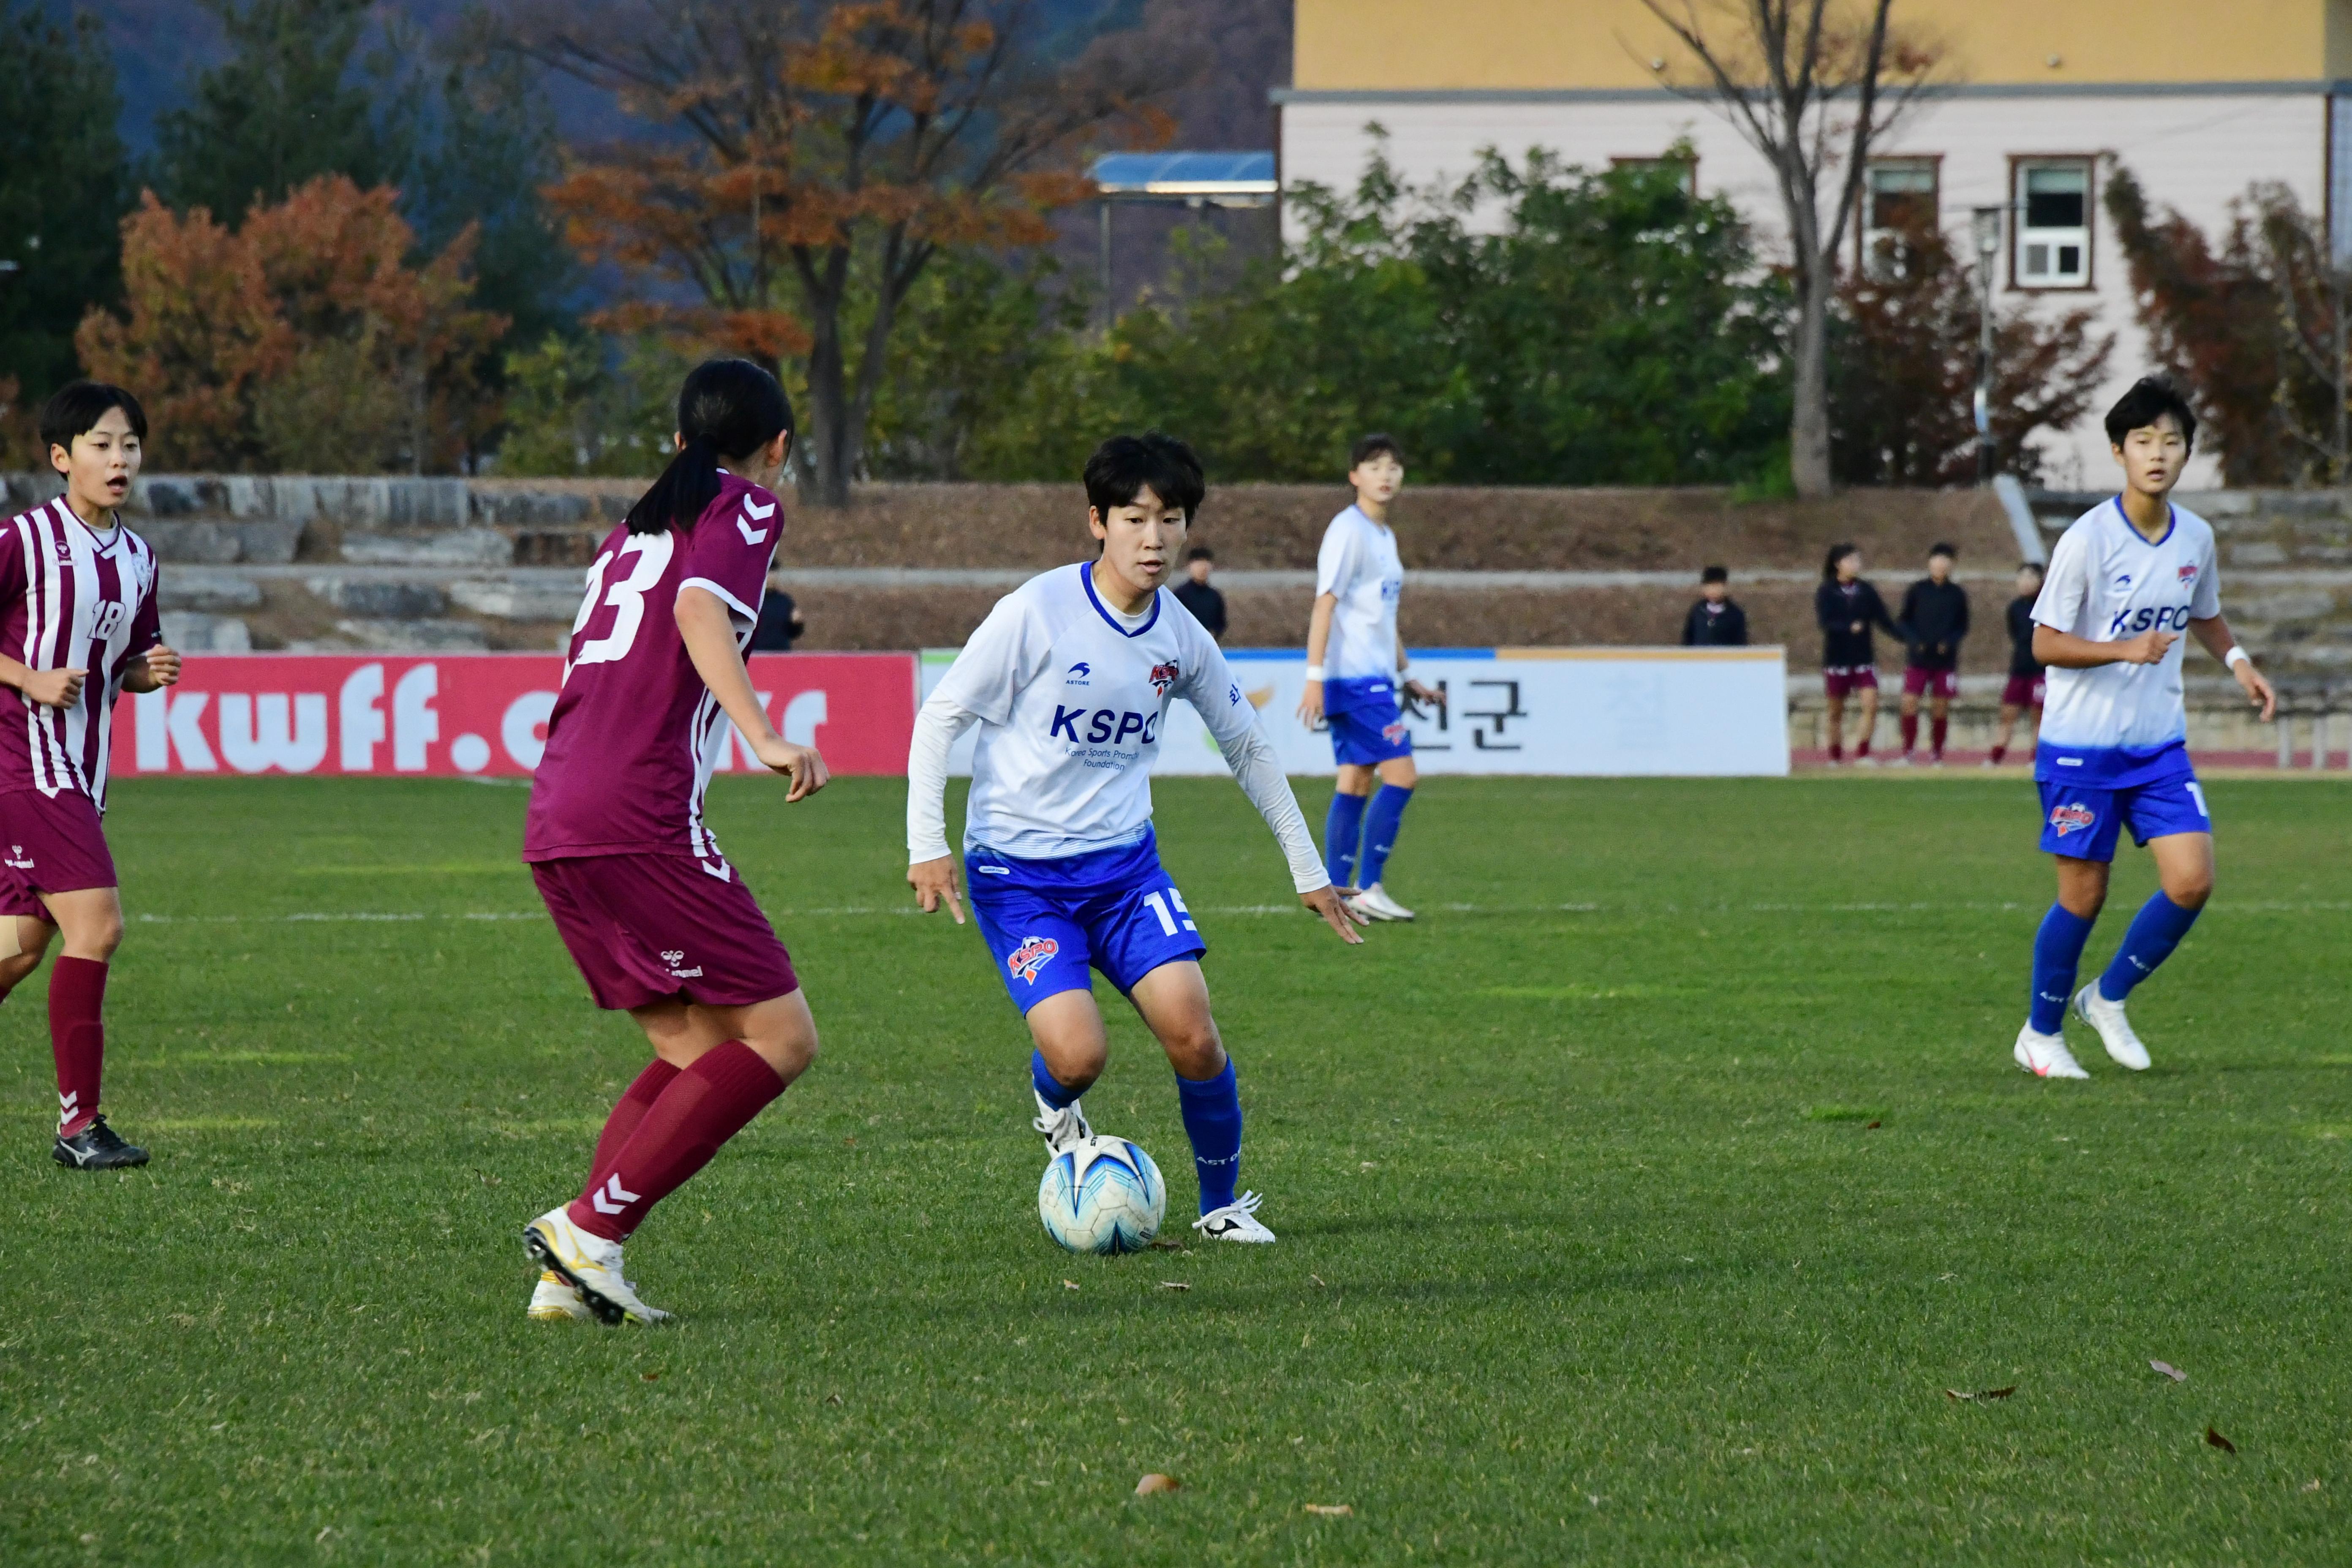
(1898, 200)
(1688, 168)
(2053, 224)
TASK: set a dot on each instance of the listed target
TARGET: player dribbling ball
(657, 921)
(1069, 680)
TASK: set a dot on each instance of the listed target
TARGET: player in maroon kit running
(658, 921)
(78, 626)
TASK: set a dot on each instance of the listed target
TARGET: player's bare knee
(2189, 889)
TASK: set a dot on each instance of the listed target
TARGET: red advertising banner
(443, 715)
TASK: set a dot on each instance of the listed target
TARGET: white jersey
(2119, 725)
(1072, 698)
(1358, 566)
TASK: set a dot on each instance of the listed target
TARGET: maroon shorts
(54, 844)
(1933, 682)
(1840, 679)
(644, 928)
(2023, 692)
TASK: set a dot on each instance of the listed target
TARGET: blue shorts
(1366, 728)
(1049, 920)
(2085, 823)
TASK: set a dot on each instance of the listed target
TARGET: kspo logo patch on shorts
(1033, 954)
(1393, 733)
(2072, 819)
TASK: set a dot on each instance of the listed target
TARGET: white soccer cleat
(590, 1265)
(553, 1302)
(2046, 1056)
(2114, 1029)
(1375, 901)
(1237, 1221)
(1061, 1128)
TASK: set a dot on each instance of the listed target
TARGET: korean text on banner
(458, 714)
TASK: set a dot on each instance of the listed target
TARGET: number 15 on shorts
(1160, 906)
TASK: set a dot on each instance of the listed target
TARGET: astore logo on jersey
(1033, 954)
(1104, 726)
(2072, 819)
(1078, 673)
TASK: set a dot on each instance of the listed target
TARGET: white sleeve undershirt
(1259, 773)
(938, 725)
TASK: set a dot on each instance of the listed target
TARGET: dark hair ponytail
(729, 408)
(1837, 553)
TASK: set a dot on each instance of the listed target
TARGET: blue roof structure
(1225, 178)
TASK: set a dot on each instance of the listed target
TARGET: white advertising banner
(1616, 711)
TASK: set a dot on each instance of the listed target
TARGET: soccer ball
(1102, 1195)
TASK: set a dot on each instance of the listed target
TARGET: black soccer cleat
(96, 1147)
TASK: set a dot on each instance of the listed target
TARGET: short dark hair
(1838, 553)
(2151, 397)
(1372, 445)
(2035, 567)
(1715, 574)
(1123, 465)
(77, 408)
(1200, 553)
(1941, 548)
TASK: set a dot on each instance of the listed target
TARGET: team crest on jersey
(2187, 575)
(1163, 676)
(1033, 954)
(1394, 733)
(2072, 819)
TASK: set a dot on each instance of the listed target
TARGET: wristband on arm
(1315, 672)
(2236, 657)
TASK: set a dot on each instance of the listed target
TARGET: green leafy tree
(63, 187)
(284, 108)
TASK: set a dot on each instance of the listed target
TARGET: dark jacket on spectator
(1208, 605)
(1935, 618)
(779, 623)
(1715, 625)
(2021, 661)
(1837, 607)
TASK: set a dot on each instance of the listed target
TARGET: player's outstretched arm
(2215, 634)
(709, 630)
(1259, 773)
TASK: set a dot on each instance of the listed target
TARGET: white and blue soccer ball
(1102, 1195)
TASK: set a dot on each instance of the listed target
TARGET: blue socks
(1212, 1121)
(1380, 828)
(2057, 949)
(1051, 1089)
(1341, 829)
(2155, 932)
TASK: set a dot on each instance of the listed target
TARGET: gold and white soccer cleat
(2114, 1029)
(1237, 1221)
(553, 1302)
(2046, 1056)
(590, 1265)
(1375, 901)
(1061, 1128)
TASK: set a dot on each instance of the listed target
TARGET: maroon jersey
(69, 599)
(635, 733)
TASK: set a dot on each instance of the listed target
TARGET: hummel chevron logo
(744, 529)
(759, 513)
(612, 1197)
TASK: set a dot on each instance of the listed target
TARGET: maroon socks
(699, 1109)
(76, 999)
(1998, 753)
(630, 1110)
(1910, 723)
(1937, 729)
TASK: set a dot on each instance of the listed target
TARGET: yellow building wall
(1538, 44)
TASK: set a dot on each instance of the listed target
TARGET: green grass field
(1638, 1206)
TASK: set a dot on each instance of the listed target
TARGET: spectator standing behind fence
(1848, 609)
(1935, 618)
(1714, 621)
(1208, 605)
(2022, 695)
(779, 619)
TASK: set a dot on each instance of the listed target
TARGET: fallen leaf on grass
(1982, 1393)
(650, 1376)
(832, 1399)
(2215, 1440)
(1316, 1278)
(1164, 1245)
(2170, 1371)
(1870, 1126)
(2312, 1485)
(1173, 1285)
(1331, 1510)
(1069, 1284)
(1156, 1482)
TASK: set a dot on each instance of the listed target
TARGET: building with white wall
(2037, 101)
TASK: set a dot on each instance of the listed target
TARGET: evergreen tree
(63, 187)
(281, 109)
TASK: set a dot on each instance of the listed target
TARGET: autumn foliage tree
(830, 153)
(304, 342)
